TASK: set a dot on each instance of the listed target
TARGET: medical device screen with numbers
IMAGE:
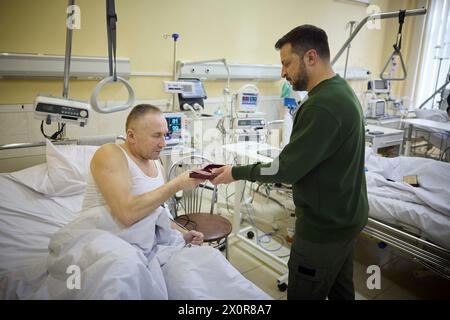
(175, 126)
(249, 102)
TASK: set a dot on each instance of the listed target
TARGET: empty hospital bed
(38, 201)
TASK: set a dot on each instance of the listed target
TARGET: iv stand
(440, 58)
(175, 37)
(447, 81)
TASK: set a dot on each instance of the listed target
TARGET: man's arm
(313, 139)
(110, 170)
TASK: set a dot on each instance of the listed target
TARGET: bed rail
(91, 140)
(424, 252)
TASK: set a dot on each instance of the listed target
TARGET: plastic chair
(215, 228)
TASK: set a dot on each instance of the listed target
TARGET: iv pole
(440, 58)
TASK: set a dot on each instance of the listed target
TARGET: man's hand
(223, 175)
(193, 237)
(184, 182)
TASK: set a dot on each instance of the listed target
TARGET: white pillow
(65, 172)
(35, 177)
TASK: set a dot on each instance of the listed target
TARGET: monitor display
(380, 85)
(175, 127)
(248, 102)
(249, 99)
(379, 108)
(199, 90)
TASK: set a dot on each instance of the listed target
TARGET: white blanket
(433, 178)
(145, 261)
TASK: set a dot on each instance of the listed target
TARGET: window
(435, 63)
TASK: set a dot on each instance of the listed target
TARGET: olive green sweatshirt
(324, 162)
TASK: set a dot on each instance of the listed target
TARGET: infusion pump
(250, 129)
(59, 109)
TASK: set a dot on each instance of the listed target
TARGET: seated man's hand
(223, 175)
(193, 237)
(184, 182)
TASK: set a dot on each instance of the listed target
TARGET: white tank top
(140, 183)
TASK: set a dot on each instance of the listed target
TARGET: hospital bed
(38, 201)
(413, 219)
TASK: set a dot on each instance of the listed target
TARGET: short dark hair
(139, 111)
(304, 38)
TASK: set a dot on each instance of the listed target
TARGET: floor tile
(266, 279)
(396, 293)
(241, 260)
(417, 280)
(360, 277)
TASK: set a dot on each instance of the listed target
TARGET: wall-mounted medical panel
(354, 73)
(217, 71)
(17, 65)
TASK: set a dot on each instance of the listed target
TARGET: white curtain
(434, 64)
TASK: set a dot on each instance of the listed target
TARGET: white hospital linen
(129, 263)
(433, 178)
(115, 262)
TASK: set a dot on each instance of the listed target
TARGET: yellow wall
(242, 31)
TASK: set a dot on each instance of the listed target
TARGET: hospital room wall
(240, 31)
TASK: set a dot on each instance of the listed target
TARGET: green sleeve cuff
(242, 172)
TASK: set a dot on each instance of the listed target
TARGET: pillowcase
(68, 167)
(65, 172)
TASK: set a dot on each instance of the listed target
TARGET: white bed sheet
(419, 219)
(26, 227)
(424, 210)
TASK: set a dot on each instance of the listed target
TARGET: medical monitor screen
(379, 109)
(248, 102)
(199, 90)
(175, 126)
(380, 85)
(249, 99)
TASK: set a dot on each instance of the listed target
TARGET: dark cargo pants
(321, 270)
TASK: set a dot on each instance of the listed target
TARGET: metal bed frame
(430, 255)
(79, 141)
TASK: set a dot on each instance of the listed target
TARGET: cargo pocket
(306, 281)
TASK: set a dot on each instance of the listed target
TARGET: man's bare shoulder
(107, 155)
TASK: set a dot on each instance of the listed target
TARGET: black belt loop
(111, 19)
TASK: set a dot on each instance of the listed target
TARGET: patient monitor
(175, 125)
(378, 86)
(247, 98)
